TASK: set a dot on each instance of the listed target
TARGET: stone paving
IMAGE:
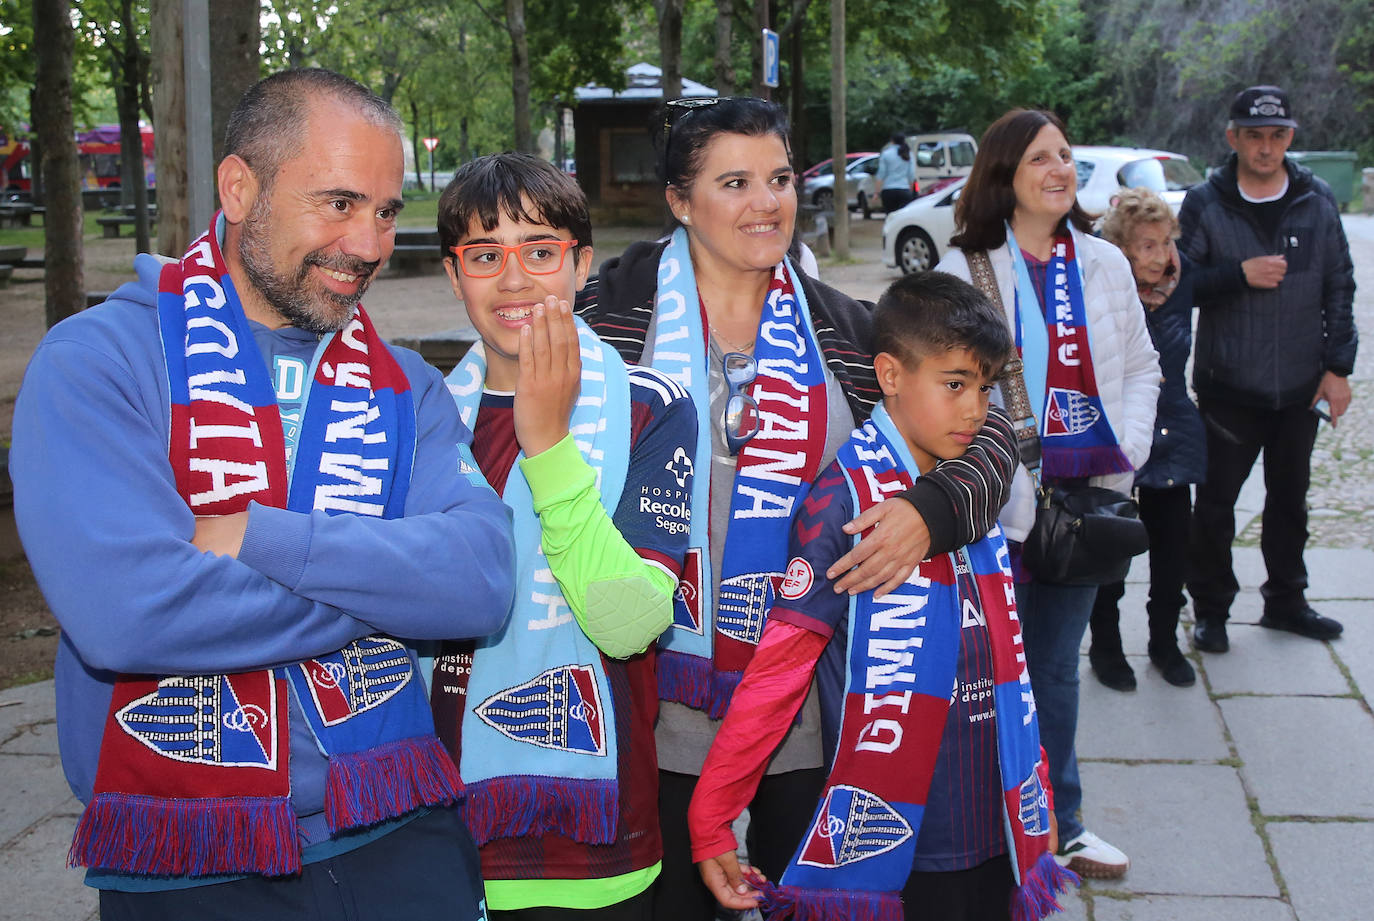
(1248, 797)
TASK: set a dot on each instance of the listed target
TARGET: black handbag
(1083, 535)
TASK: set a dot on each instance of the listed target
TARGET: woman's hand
(882, 560)
(550, 377)
(724, 876)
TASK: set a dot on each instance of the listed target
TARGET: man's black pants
(1236, 436)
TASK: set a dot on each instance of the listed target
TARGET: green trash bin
(1337, 167)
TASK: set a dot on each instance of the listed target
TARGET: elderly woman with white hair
(1144, 227)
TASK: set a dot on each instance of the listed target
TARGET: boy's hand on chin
(550, 377)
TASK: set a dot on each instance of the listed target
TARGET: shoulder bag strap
(1012, 381)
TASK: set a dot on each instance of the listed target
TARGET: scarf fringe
(1036, 896)
(152, 836)
(1089, 460)
(694, 682)
(793, 903)
(517, 806)
(371, 786)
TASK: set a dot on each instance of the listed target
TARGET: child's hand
(550, 377)
(724, 876)
(882, 560)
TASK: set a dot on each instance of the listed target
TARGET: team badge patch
(1069, 412)
(559, 708)
(798, 579)
(744, 603)
(687, 604)
(362, 675)
(853, 825)
(217, 720)
(1034, 806)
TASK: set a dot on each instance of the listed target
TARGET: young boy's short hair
(487, 186)
(930, 313)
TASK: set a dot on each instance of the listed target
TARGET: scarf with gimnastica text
(901, 663)
(193, 777)
(537, 740)
(704, 653)
(1076, 438)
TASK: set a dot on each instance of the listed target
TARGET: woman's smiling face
(1045, 183)
(742, 206)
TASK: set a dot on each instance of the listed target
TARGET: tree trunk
(838, 142)
(724, 61)
(134, 182)
(63, 276)
(415, 141)
(235, 60)
(761, 22)
(168, 80)
(793, 35)
(670, 45)
(520, 74)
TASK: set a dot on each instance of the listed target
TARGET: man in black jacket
(1269, 358)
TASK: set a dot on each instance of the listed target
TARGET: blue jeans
(1053, 618)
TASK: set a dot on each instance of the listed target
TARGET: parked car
(824, 167)
(941, 157)
(917, 234)
(820, 189)
(1104, 171)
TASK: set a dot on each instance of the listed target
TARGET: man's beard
(302, 301)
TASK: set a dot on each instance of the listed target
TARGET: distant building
(614, 147)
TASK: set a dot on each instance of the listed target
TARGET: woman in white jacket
(1092, 376)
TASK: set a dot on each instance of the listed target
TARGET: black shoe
(1112, 670)
(1171, 663)
(1209, 635)
(1306, 622)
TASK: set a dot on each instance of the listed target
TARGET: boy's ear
(584, 266)
(451, 269)
(888, 369)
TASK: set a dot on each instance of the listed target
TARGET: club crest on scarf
(559, 708)
(1068, 412)
(852, 825)
(223, 720)
(688, 602)
(363, 675)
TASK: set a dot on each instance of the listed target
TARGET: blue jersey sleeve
(807, 598)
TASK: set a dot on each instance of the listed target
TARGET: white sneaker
(1090, 856)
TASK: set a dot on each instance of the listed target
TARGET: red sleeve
(761, 711)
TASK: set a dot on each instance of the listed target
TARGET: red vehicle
(97, 149)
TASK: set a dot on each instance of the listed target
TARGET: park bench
(16, 215)
(10, 256)
(443, 349)
(111, 226)
(416, 259)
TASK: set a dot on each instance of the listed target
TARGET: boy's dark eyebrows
(533, 237)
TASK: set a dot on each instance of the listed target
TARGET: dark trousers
(1236, 435)
(981, 893)
(1167, 515)
(895, 198)
(779, 817)
(427, 869)
(636, 908)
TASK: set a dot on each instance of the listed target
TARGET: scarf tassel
(694, 682)
(152, 836)
(518, 806)
(1084, 461)
(371, 786)
(793, 903)
(1036, 896)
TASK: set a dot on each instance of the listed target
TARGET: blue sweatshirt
(108, 537)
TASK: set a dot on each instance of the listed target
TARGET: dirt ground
(401, 307)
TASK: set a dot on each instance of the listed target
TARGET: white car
(916, 235)
(820, 190)
(1105, 171)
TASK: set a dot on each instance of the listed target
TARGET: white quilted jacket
(1124, 361)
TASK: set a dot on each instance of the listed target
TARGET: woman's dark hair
(903, 149)
(685, 127)
(988, 199)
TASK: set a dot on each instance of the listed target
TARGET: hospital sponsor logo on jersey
(670, 508)
(798, 579)
(853, 825)
(687, 604)
(361, 676)
(1068, 412)
(218, 720)
(680, 467)
(558, 708)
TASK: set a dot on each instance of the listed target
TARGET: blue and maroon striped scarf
(902, 658)
(194, 777)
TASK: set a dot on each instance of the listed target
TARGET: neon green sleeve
(621, 601)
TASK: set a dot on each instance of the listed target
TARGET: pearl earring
(686, 219)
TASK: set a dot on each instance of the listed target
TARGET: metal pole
(200, 149)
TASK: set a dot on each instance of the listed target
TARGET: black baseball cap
(1262, 105)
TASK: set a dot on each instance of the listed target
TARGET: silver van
(941, 158)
